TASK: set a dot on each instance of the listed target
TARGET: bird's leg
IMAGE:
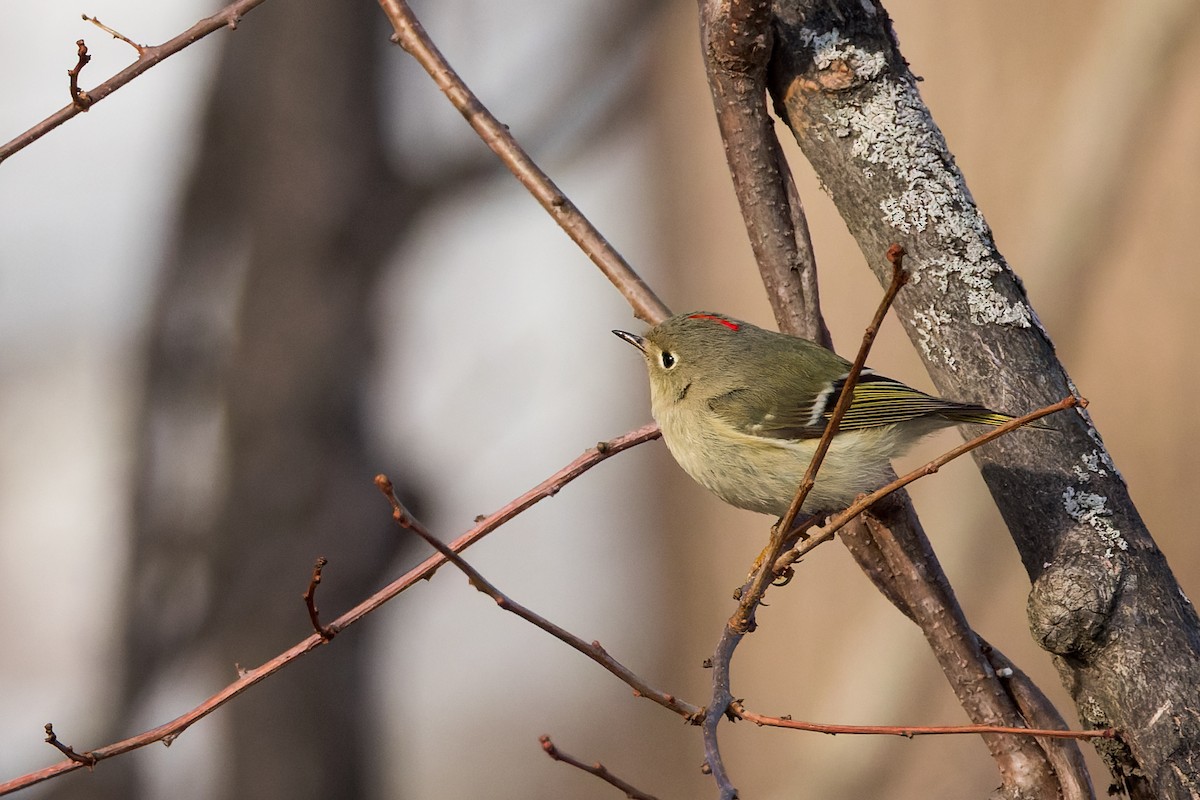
(780, 543)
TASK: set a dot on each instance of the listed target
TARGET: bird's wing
(753, 412)
(883, 401)
(878, 401)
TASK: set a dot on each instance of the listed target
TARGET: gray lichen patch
(895, 137)
(1097, 463)
(1092, 510)
(831, 49)
(928, 324)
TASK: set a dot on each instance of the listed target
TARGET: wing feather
(878, 401)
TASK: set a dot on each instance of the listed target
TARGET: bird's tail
(979, 415)
(883, 401)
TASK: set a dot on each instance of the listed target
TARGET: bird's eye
(667, 359)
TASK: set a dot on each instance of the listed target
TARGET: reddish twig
(753, 590)
(326, 632)
(782, 536)
(866, 501)
(85, 759)
(782, 533)
(592, 650)
(597, 769)
(249, 677)
(411, 35)
(79, 99)
(910, 731)
(227, 17)
(1064, 756)
(141, 48)
(895, 257)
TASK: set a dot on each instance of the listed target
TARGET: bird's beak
(633, 339)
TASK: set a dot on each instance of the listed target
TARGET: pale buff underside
(763, 474)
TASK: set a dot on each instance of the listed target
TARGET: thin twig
(411, 35)
(83, 759)
(250, 677)
(592, 650)
(597, 769)
(782, 535)
(910, 731)
(863, 503)
(227, 17)
(326, 632)
(79, 99)
(895, 257)
(141, 48)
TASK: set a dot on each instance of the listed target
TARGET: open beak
(633, 339)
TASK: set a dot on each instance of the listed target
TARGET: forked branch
(148, 57)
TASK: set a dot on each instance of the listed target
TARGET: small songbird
(742, 408)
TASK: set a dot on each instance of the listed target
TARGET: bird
(742, 408)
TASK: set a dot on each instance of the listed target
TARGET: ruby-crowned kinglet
(742, 408)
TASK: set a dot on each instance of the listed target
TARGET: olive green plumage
(742, 408)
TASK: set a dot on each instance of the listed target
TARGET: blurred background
(280, 263)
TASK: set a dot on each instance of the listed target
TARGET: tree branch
(597, 769)
(411, 35)
(736, 38)
(592, 650)
(732, 33)
(909, 731)
(79, 99)
(309, 597)
(782, 535)
(1064, 755)
(168, 731)
(840, 81)
(227, 17)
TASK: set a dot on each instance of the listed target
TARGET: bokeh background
(280, 263)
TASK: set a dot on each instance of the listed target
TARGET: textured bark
(916, 584)
(737, 38)
(911, 550)
(1126, 640)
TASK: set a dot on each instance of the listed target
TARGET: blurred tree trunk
(252, 459)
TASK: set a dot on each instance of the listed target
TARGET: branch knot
(1072, 601)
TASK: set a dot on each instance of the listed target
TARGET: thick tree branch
(736, 38)
(1064, 754)
(1133, 649)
